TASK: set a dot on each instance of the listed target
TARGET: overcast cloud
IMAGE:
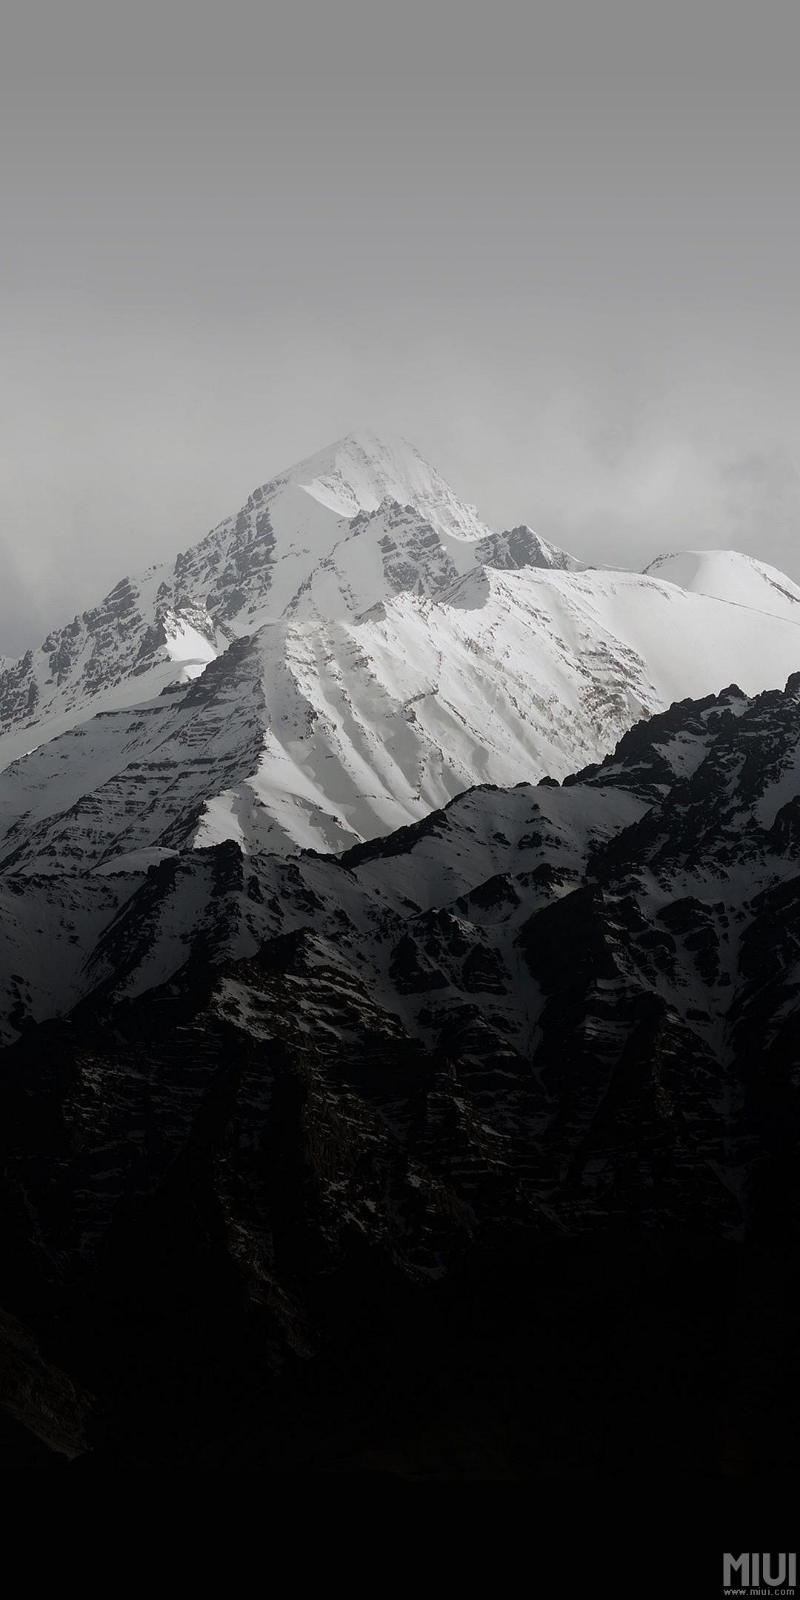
(556, 245)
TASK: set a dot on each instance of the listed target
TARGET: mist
(555, 246)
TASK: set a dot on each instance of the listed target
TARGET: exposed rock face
(381, 650)
(323, 730)
(521, 547)
(499, 1107)
(162, 628)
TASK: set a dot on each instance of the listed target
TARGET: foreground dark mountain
(469, 1153)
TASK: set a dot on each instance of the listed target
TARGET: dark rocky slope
(470, 1153)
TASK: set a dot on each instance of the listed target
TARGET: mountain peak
(367, 520)
(521, 547)
(363, 469)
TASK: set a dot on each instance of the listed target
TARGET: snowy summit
(350, 650)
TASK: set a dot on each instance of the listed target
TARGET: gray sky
(556, 245)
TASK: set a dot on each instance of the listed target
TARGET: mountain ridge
(535, 1057)
(408, 662)
(162, 627)
(367, 1106)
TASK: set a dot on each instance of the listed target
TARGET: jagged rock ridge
(538, 1014)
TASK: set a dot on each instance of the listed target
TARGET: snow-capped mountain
(351, 650)
(321, 733)
(345, 1063)
(164, 626)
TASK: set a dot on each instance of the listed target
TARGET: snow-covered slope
(355, 524)
(382, 553)
(351, 650)
(360, 472)
(320, 733)
(730, 575)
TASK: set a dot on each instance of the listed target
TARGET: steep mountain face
(521, 547)
(349, 1074)
(320, 733)
(384, 1111)
(383, 553)
(349, 651)
(164, 627)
